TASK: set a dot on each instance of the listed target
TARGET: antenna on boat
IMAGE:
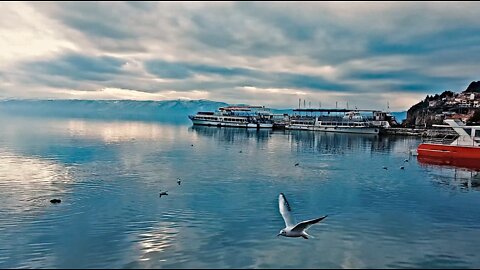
(304, 104)
(347, 105)
(336, 104)
(299, 100)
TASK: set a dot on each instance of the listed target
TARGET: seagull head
(282, 232)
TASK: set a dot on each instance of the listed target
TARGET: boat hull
(356, 130)
(230, 124)
(448, 151)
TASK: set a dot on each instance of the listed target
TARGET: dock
(419, 132)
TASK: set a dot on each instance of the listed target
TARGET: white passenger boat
(235, 116)
(351, 122)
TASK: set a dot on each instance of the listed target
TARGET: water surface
(108, 175)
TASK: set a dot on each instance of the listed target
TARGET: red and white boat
(465, 146)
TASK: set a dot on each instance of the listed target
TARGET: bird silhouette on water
(55, 201)
(296, 164)
(385, 168)
(402, 168)
(406, 160)
(163, 193)
(179, 181)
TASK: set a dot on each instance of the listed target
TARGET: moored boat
(464, 146)
(235, 116)
(351, 122)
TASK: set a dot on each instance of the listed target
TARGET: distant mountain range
(169, 110)
(165, 111)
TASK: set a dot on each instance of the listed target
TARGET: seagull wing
(306, 224)
(285, 210)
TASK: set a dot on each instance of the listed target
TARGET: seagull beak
(278, 235)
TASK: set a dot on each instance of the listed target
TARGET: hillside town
(464, 106)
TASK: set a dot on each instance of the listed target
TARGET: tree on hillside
(447, 94)
(473, 87)
(475, 119)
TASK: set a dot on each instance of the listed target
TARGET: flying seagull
(292, 229)
(163, 193)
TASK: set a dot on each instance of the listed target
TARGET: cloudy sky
(270, 53)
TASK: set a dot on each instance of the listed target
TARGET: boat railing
(466, 140)
(340, 124)
(447, 139)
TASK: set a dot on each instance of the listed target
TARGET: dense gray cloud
(271, 53)
(78, 67)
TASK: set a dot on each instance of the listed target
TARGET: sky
(366, 54)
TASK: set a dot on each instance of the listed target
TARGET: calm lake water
(225, 213)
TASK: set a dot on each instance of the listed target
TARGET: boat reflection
(329, 142)
(471, 164)
(232, 134)
(462, 173)
(323, 142)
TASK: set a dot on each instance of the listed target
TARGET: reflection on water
(454, 173)
(111, 132)
(230, 135)
(28, 183)
(469, 164)
(225, 213)
(156, 241)
(324, 142)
